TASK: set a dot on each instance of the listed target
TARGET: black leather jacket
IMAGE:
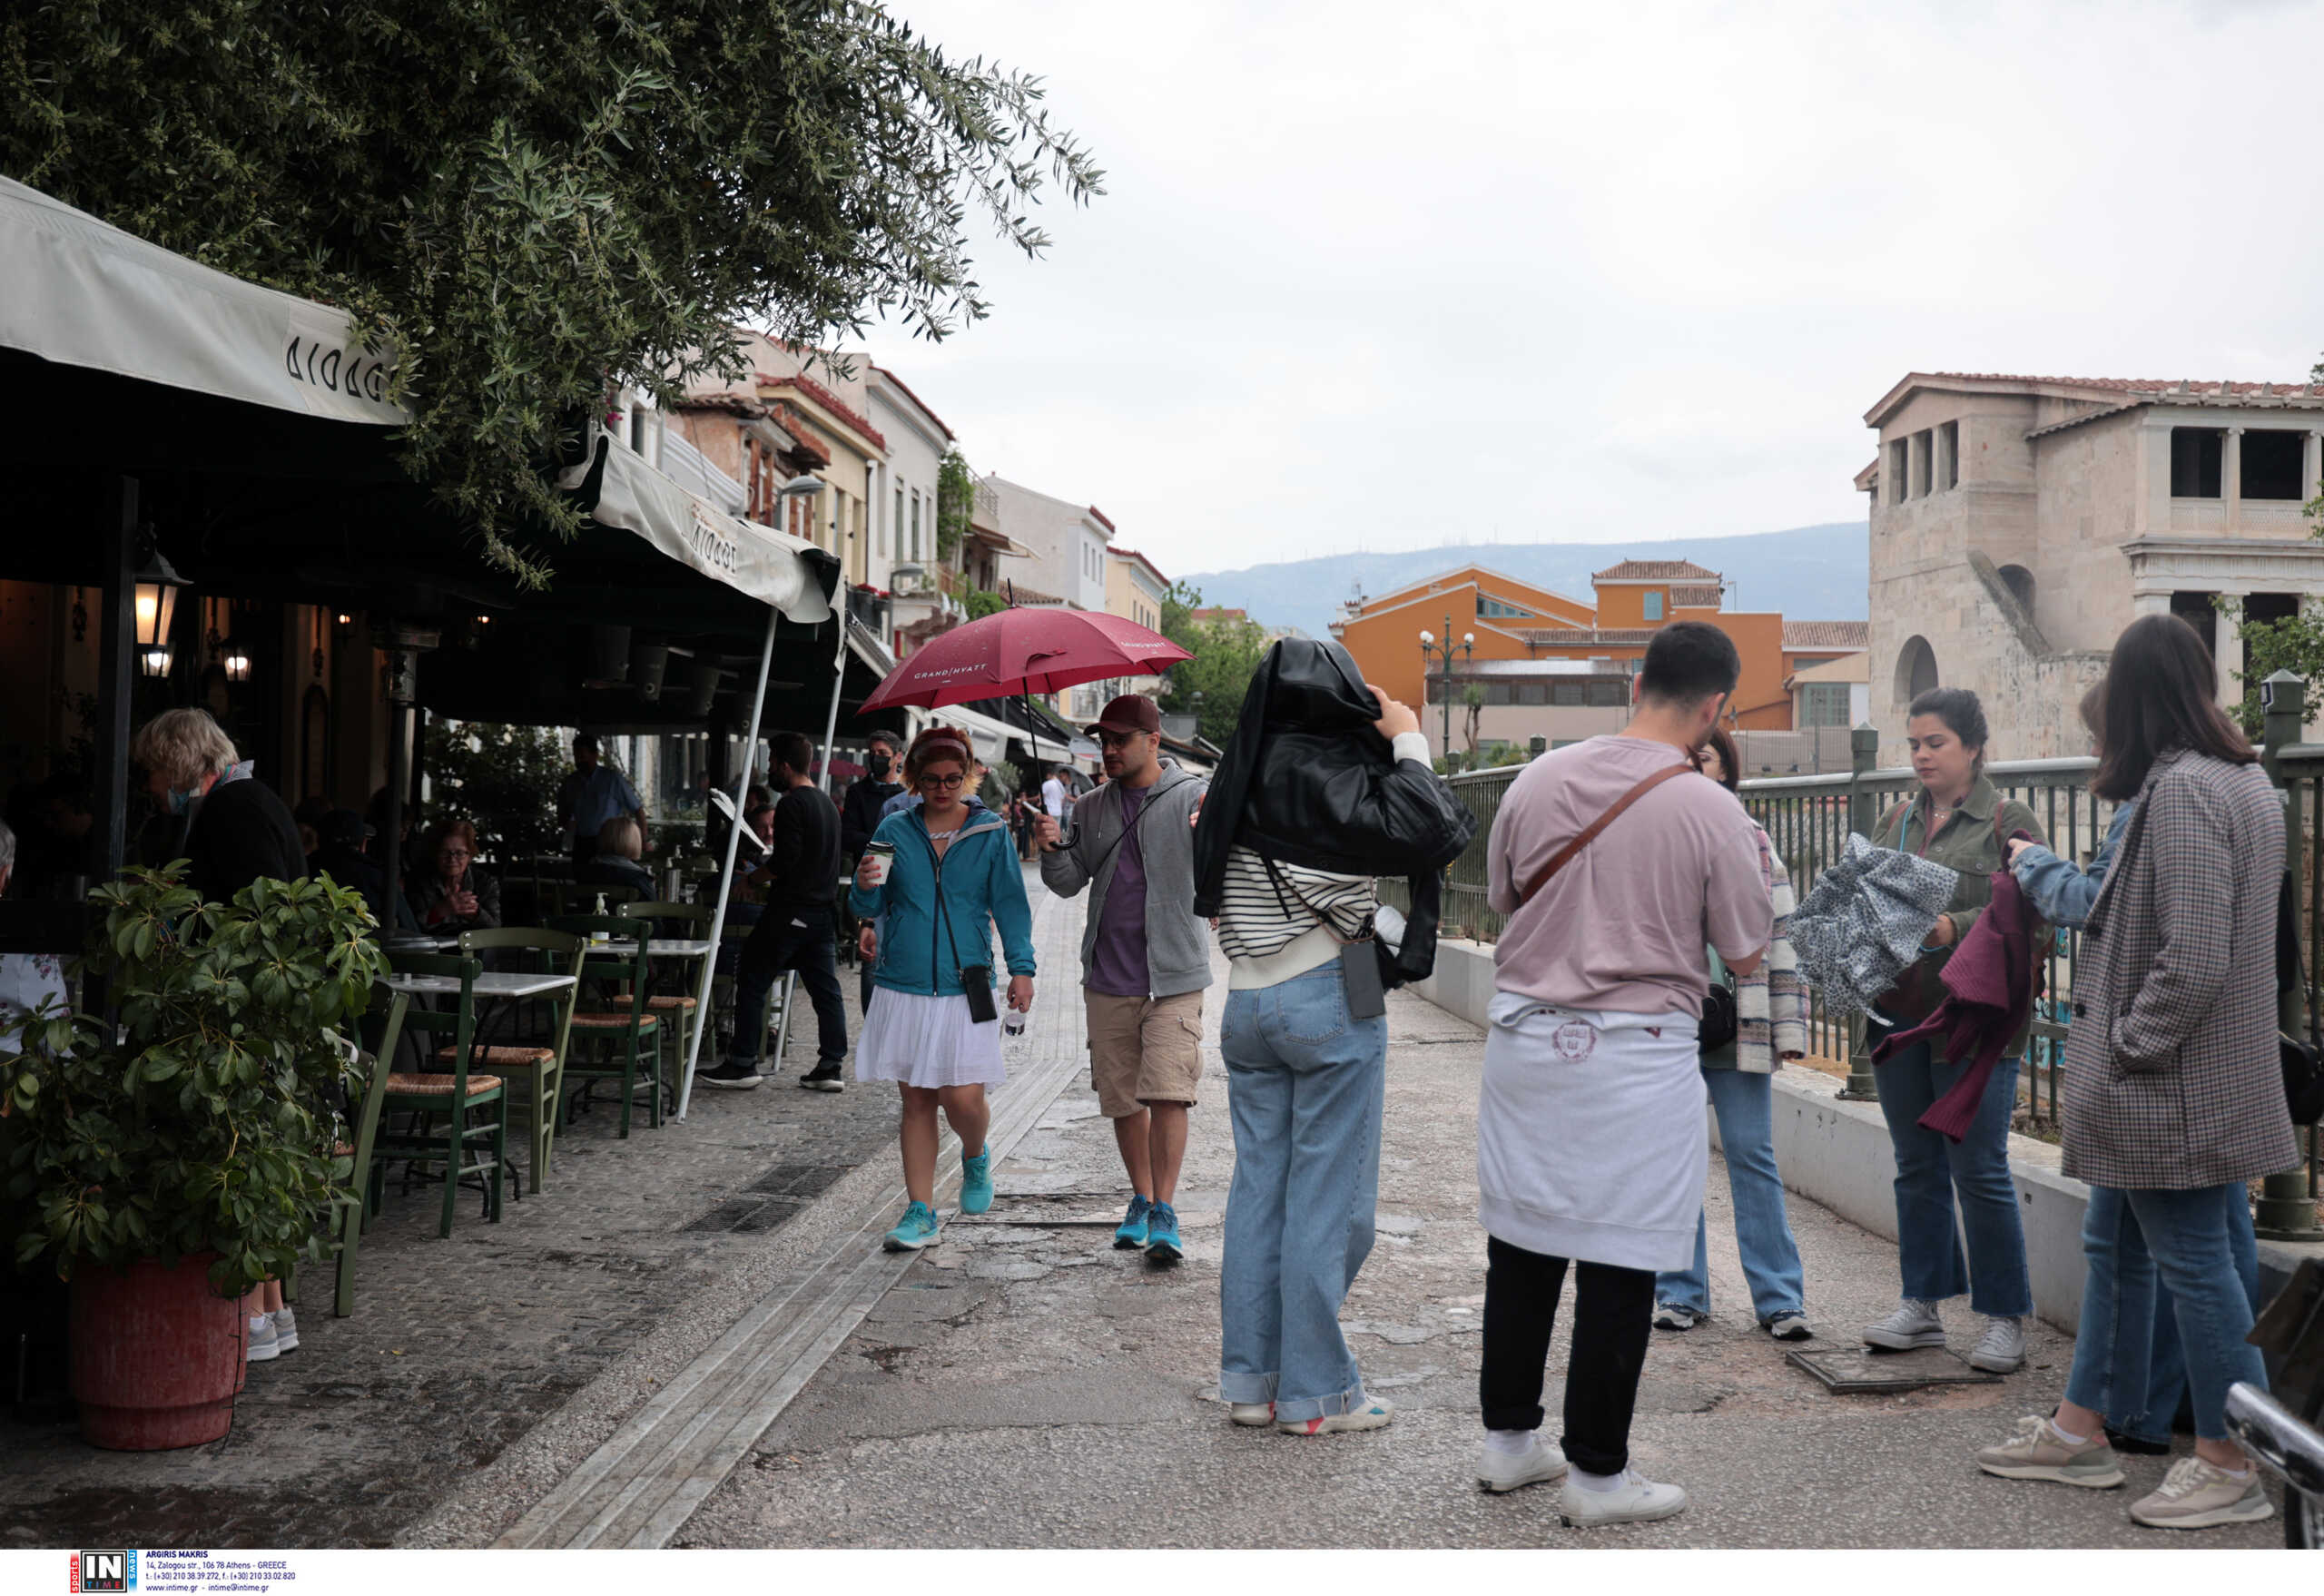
(1308, 781)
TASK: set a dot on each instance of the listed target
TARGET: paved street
(567, 1377)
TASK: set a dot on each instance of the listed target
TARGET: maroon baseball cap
(1132, 712)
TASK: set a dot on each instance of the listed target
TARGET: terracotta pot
(157, 1355)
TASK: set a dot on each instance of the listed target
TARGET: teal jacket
(982, 881)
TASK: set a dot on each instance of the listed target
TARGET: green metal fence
(1808, 818)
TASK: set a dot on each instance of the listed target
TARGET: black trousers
(777, 945)
(1612, 1313)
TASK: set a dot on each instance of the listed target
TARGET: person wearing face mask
(859, 817)
(236, 829)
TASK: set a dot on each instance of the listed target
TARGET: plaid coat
(2171, 1074)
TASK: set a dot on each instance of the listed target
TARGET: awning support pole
(839, 680)
(116, 529)
(726, 874)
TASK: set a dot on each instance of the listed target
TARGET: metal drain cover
(1858, 1369)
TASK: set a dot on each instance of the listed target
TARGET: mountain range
(1809, 573)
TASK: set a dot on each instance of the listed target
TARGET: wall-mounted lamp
(237, 661)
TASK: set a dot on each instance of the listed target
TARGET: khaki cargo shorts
(1143, 1050)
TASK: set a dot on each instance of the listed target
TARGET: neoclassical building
(2018, 524)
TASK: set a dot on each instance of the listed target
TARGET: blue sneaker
(1130, 1232)
(1162, 1236)
(917, 1230)
(976, 1182)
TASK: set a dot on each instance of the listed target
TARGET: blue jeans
(1305, 1084)
(2128, 1239)
(1745, 1105)
(2167, 1364)
(1931, 1168)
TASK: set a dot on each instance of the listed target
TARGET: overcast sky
(1386, 276)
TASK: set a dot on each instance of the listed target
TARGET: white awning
(79, 292)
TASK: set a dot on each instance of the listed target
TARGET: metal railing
(1808, 819)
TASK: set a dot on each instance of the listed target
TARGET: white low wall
(1838, 1154)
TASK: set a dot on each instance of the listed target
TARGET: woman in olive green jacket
(1959, 819)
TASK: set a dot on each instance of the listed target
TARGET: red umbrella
(1024, 651)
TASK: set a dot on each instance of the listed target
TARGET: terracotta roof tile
(1703, 596)
(1827, 633)
(2137, 384)
(1655, 571)
(829, 401)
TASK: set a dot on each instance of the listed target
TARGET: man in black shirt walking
(796, 931)
(859, 817)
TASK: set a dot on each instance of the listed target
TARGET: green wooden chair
(463, 1148)
(351, 1214)
(614, 1027)
(678, 1011)
(533, 950)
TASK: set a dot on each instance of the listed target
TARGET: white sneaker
(263, 1343)
(286, 1330)
(1500, 1470)
(1790, 1326)
(1670, 1316)
(1636, 1500)
(1251, 1414)
(1913, 1324)
(2196, 1495)
(2002, 1349)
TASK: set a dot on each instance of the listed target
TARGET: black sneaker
(824, 1078)
(732, 1076)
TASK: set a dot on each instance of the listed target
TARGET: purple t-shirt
(1118, 959)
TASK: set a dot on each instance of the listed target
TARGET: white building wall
(908, 480)
(1069, 543)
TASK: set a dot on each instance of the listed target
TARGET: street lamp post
(1443, 652)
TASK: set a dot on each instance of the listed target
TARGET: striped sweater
(1771, 1003)
(1277, 920)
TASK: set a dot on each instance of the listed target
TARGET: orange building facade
(1508, 620)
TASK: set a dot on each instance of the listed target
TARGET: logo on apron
(1574, 1040)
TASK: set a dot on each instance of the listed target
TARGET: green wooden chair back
(613, 964)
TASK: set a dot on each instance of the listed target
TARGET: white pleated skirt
(927, 1042)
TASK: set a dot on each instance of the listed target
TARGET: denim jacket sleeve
(2061, 893)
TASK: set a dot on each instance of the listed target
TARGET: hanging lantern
(157, 607)
(236, 660)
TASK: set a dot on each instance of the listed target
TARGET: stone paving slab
(462, 1352)
(1026, 1385)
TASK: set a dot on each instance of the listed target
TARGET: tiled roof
(1655, 571)
(802, 436)
(1020, 594)
(1827, 633)
(829, 401)
(2142, 384)
(1586, 636)
(1101, 519)
(1705, 596)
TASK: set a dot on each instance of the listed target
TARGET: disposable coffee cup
(875, 863)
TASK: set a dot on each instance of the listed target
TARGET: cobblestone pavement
(459, 1347)
(1026, 1385)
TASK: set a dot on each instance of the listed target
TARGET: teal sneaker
(976, 1182)
(1130, 1233)
(1162, 1236)
(917, 1230)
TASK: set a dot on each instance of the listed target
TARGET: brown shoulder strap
(1589, 834)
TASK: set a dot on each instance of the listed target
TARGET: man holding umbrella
(1144, 957)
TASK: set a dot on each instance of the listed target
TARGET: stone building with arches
(2018, 524)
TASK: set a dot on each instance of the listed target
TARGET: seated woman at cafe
(621, 843)
(450, 893)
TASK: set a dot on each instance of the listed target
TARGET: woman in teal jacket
(952, 869)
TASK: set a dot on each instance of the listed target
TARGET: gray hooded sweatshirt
(1177, 944)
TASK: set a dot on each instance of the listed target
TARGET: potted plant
(168, 1166)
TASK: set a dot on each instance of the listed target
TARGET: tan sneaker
(2039, 1452)
(2195, 1495)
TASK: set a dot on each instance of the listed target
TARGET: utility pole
(1443, 651)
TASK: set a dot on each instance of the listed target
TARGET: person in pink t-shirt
(1592, 1141)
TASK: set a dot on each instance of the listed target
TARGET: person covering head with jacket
(947, 872)
(2173, 1099)
(1324, 786)
(1959, 819)
(1144, 957)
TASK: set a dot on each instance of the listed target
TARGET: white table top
(491, 984)
(656, 947)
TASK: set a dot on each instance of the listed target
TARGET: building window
(1497, 693)
(1898, 471)
(2197, 611)
(1569, 694)
(1923, 444)
(1948, 456)
(1654, 605)
(1495, 609)
(1608, 694)
(1916, 670)
(915, 524)
(1532, 693)
(2273, 463)
(2197, 454)
(1824, 703)
(2020, 583)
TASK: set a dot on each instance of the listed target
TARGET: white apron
(1591, 1140)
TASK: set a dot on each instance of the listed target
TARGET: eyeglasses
(453, 853)
(951, 783)
(1106, 739)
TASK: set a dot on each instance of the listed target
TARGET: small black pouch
(1367, 995)
(975, 985)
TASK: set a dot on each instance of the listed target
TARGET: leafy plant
(980, 603)
(500, 779)
(530, 203)
(956, 498)
(210, 1125)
